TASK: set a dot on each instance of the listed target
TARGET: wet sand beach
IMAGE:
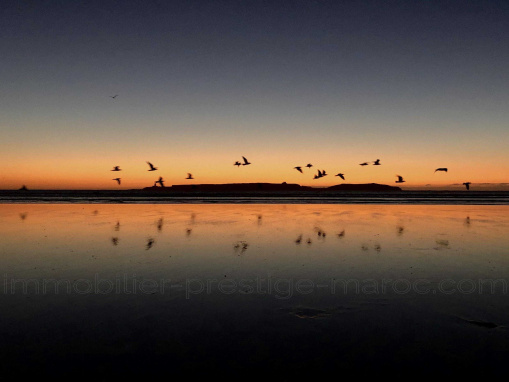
(279, 290)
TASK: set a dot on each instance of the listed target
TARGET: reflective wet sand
(228, 289)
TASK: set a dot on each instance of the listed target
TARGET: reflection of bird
(298, 168)
(160, 224)
(240, 247)
(377, 163)
(117, 226)
(150, 243)
(114, 240)
(342, 176)
(341, 234)
(23, 215)
(400, 179)
(116, 168)
(152, 168)
(309, 165)
(117, 179)
(189, 176)
(188, 231)
(299, 239)
(441, 169)
(246, 162)
(363, 164)
(237, 163)
(467, 185)
(160, 181)
(400, 230)
(114, 96)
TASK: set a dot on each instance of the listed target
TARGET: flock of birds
(320, 174)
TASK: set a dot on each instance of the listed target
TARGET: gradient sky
(418, 84)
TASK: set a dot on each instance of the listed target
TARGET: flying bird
(342, 176)
(377, 163)
(298, 168)
(467, 185)
(160, 181)
(363, 164)
(309, 165)
(152, 168)
(150, 243)
(116, 168)
(441, 169)
(324, 173)
(117, 179)
(189, 176)
(400, 179)
(237, 163)
(246, 162)
(114, 96)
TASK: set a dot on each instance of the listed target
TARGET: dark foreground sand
(240, 292)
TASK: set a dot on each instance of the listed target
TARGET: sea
(108, 285)
(138, 196)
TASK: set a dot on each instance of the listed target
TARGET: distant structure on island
(23, 188)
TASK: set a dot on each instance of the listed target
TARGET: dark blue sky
(267, 76)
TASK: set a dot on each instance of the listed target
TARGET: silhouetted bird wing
(298, 168)
(245, 160)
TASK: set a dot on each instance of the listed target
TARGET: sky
(417, 84)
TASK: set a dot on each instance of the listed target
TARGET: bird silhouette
(324, 173)
(342, 176)
(246, 162)
(298, 168)
(117, 179)
(152, 168)
(467, 185)
(441, 169)
(400, 179)
(377, 163)
(114, 96)
(309, 165)
(363, 164)
(150, 243)
(160, 181)
(237, 163)
(116, 168)
(189, 176)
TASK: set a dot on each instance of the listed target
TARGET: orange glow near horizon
(48, 173)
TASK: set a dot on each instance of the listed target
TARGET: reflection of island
(270, 188)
